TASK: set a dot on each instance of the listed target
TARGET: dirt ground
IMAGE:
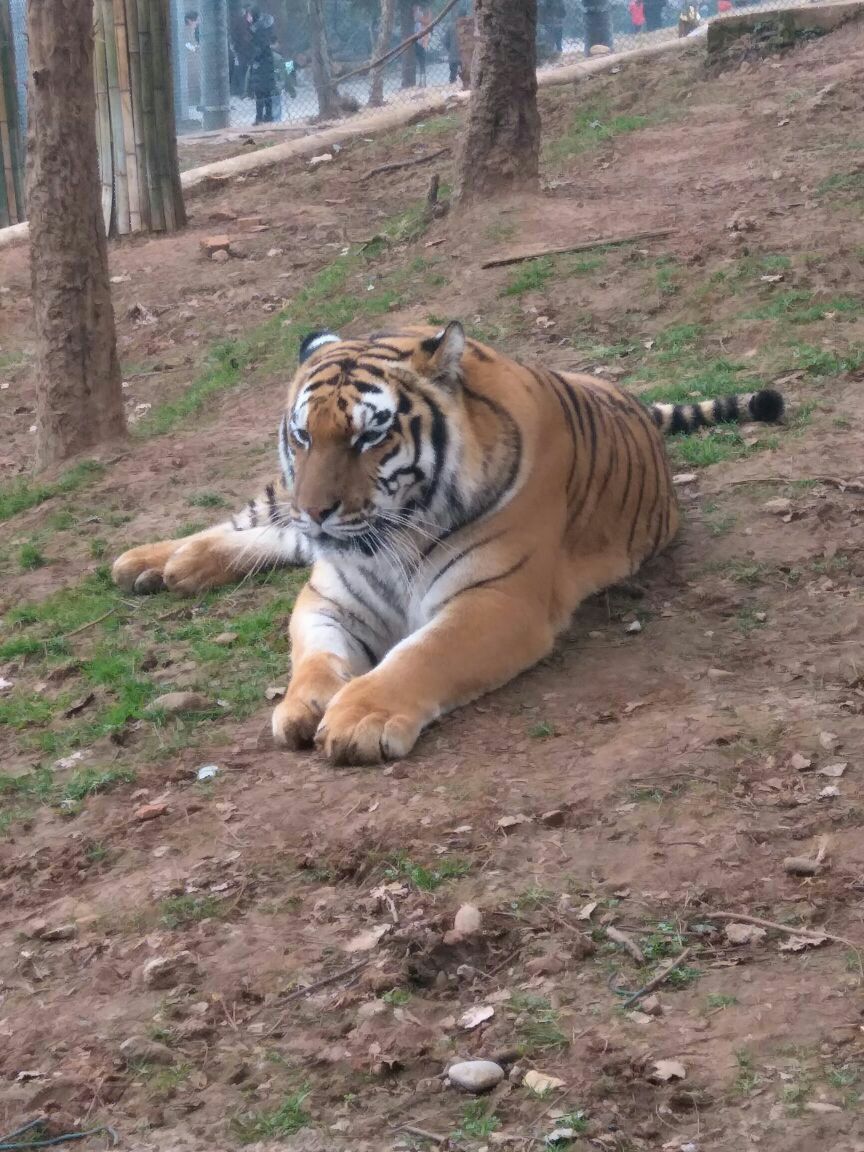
(259, 955)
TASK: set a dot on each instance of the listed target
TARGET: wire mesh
(236, 65)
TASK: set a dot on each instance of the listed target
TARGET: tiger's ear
(313, 342)
(445, 353)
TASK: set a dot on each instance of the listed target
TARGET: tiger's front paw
(142, 569)
(295, 722)
(360, 727)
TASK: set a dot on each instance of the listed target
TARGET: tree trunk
(385, 31)
(215, 78)
(11, 192)
(135, 118)
(501, 147)
(80, 399)
(598, 24)
(322, 71)
(406, 29)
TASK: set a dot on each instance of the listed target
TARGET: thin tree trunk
(385, 32)
(322, 72)
(11, 192)
(501, 147)
(80, 399)
(406, 29)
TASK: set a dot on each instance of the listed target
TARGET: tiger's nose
(319, 515)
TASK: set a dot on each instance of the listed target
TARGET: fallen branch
(586, 246)
(398, 50)
(399, 164)
(423, 1133)
(624, 940)
(814, 934)
(300, 993)
(659, 979)
(89, 624)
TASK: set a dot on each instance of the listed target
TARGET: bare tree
(385, 32)
(322, 69)
(501, 147)
(80, 399)
(409, 56)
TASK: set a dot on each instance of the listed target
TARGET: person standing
(637, 15)
(451, 43)
(653, 14)
(191, 43)
(262, 70)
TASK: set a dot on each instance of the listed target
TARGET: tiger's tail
(766, 406)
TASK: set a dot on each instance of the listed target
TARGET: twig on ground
(659, 979)
(585, 246)
(399, 164)
(423, 1133)
(626, 943)
(815, 934)
(89, 624)
(300, 993)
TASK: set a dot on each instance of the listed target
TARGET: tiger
(456, 506)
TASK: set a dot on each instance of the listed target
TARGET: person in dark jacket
(654, 14)
(262, 71)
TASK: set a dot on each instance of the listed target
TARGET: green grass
(719, 377)
(178, 911)
(91, 781)
(747, 1078)
(283, 1121)
(206, 500)
(475, 1124)
(427, 879)
(576, 1120)
(822, 362)
(843, 184)
(593, 125)
(536, 1024)
(530, 276)
(21, 494)
(800, 306)
(718, 1000)
(31, 556)
(713, 446)
(541, 731)
(396, 997)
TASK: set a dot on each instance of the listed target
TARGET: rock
(147, 1051)
(743, 933)
(829, 741)
(221, 257)
(61, 932)
(719, 674)
(475, 1075)
(213, 244)
(681, 478)
(800, 763)
(225, 638)
(193, 1029)
(545, 965)
(665, 1070)
(248, 222)
(651, 1005)
(169, 971)
(554, 818)
(151, 811)
(779, 507)
(468, 920)
(372, 1008)
(634, 627)
(35, 929)
(324, 158)
(174, 702)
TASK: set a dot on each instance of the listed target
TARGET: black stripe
(340, 608)
(553, 381)
(678, 423)
(364, 604)
(253, 514)
(461, 556)
(438, 439)
(483, 583)
(271, 503)
(348, 634)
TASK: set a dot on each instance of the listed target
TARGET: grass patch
(536, 1024)
(178, 911)
(207, 500)
(31, 556)
(713, 446)
(283, 1121)
(822, 362)
(799, 306)
(475, 1124)
(747, 1079)
(20, 494)
(427, 879)
(594, 125)
(542, 731)
(531, 276)
(91, 781)
(718, 1001)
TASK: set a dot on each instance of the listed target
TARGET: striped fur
(457, 506)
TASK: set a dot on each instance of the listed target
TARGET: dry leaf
(540, 1083)
(474, 1017)
(744, 933)
(834, 769)
(666, 1070)
(366, 941)
(800, 763)
(829, 792)
(585, 911)
(799, 943)
(829, 741)
(507, 822)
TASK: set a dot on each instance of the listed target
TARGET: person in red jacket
(637, 15)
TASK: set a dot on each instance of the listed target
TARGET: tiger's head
(364, 439)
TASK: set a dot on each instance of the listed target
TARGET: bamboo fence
(135, 117)
(11, 151)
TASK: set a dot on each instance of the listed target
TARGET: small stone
(324, 158)
(652, 1005)
(719, 674)
(595, 635)
(225, 638)
(148, 1051)
(554, 818)
(548, 965)
(169, 971)
(800, 763)
(174, 702)
(214, 244)
(35, 929)
(151, 811)
(221, 257)
(248, 222)
(467, 920)
(372, 1008)
(779, 507)
(475, 1075)
(193, 1029)
(681, 478)
(829, 741)
(634, 627)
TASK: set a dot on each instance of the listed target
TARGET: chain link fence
(286, 64)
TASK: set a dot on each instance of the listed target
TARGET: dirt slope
(659, 776)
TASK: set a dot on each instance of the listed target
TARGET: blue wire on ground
(6, 1144)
